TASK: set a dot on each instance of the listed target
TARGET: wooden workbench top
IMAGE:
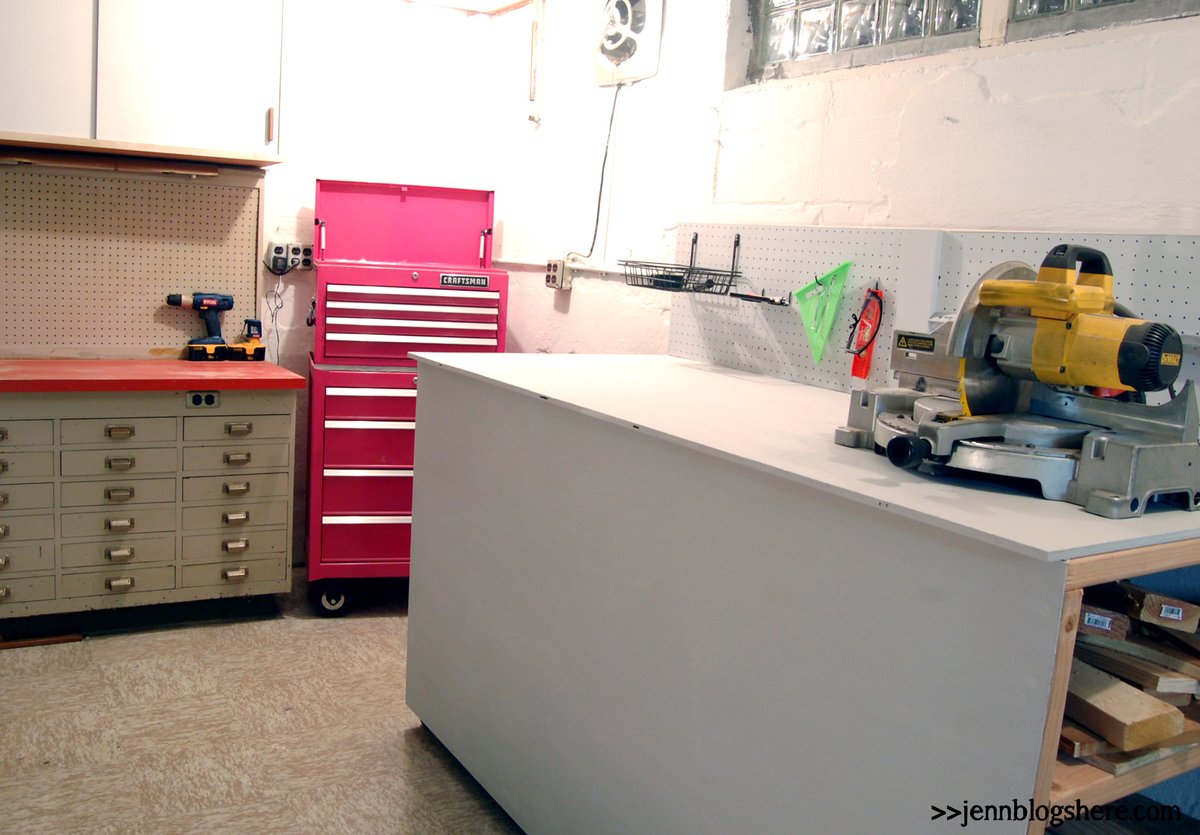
(74, 375)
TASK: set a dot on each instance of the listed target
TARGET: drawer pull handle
(3, 499)
(235, 488)
(119, 463)
(244, 428)
(240, 573)
(3, 434)
(5, 591)
(118, 554)
(4, 560)
(118, 524)
(3, 466)
(119, 583)
(4, 530)
(232, 545)
(118, 432)
(237, 458)
(236, 517)
(118, 494)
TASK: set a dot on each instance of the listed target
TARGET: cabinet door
(189, 73)
(46, 67)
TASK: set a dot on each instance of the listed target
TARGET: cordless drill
(212, 346)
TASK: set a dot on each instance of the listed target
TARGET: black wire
(603, 168)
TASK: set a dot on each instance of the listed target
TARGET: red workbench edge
(70, 375)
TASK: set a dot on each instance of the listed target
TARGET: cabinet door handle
(237, 429)
(120, 463)
(118, 524)
(235, 545)
(235, 488)
(3, 499)
(119, 583)
(236, 517)
(237, 458)
(4, 560)
(118, 494)
(118, 432)
(240, 573)
(118, 554)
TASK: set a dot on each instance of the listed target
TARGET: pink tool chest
(399, 269)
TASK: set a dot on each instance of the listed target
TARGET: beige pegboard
(87, 259)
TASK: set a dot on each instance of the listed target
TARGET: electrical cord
(274, 303)
(603, 167)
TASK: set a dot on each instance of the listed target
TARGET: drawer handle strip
(411, 340)
(366, 520)
(118, 554)
(239, 429)
(118, 494)
(235, 488)
(119, 432)
(370, 424)
(369, 290)
(234, 546)
(119, 583)
(237, 458)
(120, 463)
(237, 517)
(331, 473)
(428, 324)
(486, 312)
(344, 391)
(239, 573)
(118, 524)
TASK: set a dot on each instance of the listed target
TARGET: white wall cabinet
(46, 67)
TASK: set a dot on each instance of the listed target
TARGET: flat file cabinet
(113, 497)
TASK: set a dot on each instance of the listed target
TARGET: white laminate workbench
(650, 594)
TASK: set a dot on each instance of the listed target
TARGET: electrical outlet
(283, 257)
(558, 274)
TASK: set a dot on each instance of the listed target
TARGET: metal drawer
(373, 401)
(26, 497)
(371, 539)
(112, 461)
(216, 428)
(14, 558)
(234, 545)
(224, 487)
(118, 581)
(15, 528)
(26, 589)
(235, 515)
(366, 490)
(369, 443)
(117, 430)
(122, 552)
(26, 465)
(236, 457)
(26, 433)
(117, 493)
(234, 574)
(117, 522)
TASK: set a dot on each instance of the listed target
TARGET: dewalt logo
(1171, 359)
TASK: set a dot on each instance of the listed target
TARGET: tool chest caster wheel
(330, 599)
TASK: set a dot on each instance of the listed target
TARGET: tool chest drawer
(234, 545)
(367, 443)
(108, 431)
(14, 590)
(118, 581)
(223, 428)
(18, 527)
(397, 399)
(367, 490)
(366, 538)
(15, 433)
(25, 557)
(94, 462)
(127, 491)
(242, 485)
(25, 465)
(119, 521)
(245, 571)
(234, 515)
(119, 552)
(26, 497)
(237, 457)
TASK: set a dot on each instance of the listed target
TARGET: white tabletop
(787, 429)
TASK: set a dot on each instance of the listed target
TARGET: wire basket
(683, 278)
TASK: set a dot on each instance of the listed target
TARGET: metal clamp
(118, 494)
(236, 517)
(119, 432)
(120, 463)
(118, 524)
(237, 458)
(239, 573)
(119, 583)
(237, 429)
(235, 488)
(118, 554)
(235, 545)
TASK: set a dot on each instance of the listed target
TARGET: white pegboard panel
(776, 260)
(87, 259)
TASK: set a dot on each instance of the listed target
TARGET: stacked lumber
(1135, 678)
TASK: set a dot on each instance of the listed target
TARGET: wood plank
(1120, 762)
(1147, 674)
(1076, 780)
(132, 149)
(1156, 652)
(1177, 699)
(1187, 640)
(1043, 784)
(1122, 714)
(1131, 562)
(1161, 609)
(1078, 742)
(1097, 620)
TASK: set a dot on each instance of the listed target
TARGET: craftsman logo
(464, 280)
(912, 342)
(1098, 621)
(1171, 359)
(1171, 612)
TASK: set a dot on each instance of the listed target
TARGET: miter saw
(1042, 376)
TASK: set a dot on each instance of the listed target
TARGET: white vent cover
(630, 33)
